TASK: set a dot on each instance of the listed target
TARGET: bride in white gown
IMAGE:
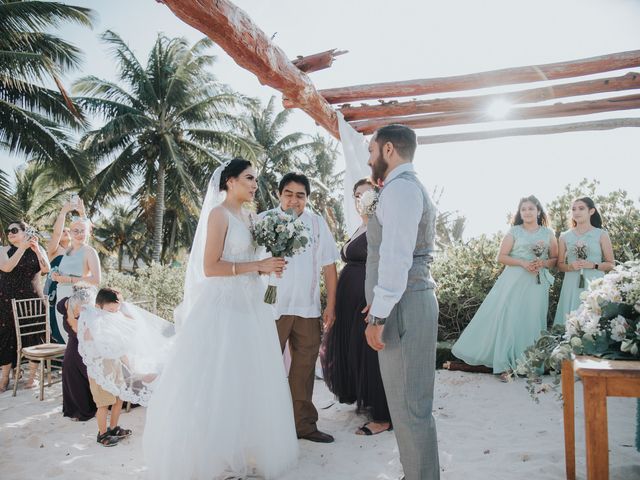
(222, 407)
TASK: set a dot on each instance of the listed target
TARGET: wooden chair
(31, 317)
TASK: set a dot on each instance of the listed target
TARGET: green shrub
(159, 285)
(464, 272)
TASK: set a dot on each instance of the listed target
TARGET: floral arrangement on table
(606, 324)
(283, 234)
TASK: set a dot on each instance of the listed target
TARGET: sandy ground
(486, 430)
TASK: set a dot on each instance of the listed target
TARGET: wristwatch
(595, 266)
(376, 320)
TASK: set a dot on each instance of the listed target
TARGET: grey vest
(419, 273)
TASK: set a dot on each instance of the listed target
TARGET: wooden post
(586, 107)
(629, 81)
(505, 76)
(608, 124)
(234, 31)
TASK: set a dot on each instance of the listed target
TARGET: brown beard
(379, 167)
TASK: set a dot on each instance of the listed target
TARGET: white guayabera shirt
(299, 287)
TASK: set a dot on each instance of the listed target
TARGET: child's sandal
(107, 440)
(119, 432)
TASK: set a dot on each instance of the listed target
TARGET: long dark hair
(542, 219)
(595, 219)
(233, 170)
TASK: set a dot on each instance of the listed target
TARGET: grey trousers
(407, 364)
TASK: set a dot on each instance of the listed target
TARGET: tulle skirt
(222, 405)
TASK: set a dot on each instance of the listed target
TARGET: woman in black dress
(350, 367)
(77, 400)
(20, 267)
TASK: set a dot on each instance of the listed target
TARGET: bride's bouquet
(283, 235)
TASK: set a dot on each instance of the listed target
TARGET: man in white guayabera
(402, 306)
(298, 303)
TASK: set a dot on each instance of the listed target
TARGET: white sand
(486, 430)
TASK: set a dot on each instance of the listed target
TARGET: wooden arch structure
(234, 31)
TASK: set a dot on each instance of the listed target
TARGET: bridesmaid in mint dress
(587, 230)
(515, 311)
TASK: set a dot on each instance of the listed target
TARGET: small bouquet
(581, 253)
(283, 235)
(538, 249)
(368, 202)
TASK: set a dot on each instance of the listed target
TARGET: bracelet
(233, 269)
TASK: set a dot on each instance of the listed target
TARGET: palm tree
(279, 154)
(319, 167)
(122, 234)
(36, 196)
(171, 119)
(8, 209)
(34, 119)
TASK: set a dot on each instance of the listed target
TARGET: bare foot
(373, 428)
(4, 383)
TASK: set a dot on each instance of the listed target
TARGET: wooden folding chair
(31, 317)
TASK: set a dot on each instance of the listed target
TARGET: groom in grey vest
(401, 303)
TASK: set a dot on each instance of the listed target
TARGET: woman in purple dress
(77, 401)
(350, 367)
(21, 264)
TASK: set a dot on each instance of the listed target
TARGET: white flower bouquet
(283, 235)
(581, 252)
(538, 249)
(368, 202)
(606, 324)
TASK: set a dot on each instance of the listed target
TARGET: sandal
(107, 440)
(364, 430)
(119, 432)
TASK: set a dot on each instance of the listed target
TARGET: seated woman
(77, 401)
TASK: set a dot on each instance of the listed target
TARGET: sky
(404, 39)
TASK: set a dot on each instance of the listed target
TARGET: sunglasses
(14, 230)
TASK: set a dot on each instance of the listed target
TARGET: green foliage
(35, 120)
(168, 124)
(464, 272)
(161, 285)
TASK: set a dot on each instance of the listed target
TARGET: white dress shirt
(299, 287)
(399, 210)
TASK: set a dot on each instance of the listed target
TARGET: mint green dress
(514, 312)
(570, 293)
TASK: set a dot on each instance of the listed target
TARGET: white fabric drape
(126, 351)
(356, 154)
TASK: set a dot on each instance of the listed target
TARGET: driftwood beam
(629, 81)
(506, 76)
(234, 31)
(608, 124)
(627, 102)
(317, 61)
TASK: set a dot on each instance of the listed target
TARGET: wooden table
(601, 379)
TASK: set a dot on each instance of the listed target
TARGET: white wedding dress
(222, 407)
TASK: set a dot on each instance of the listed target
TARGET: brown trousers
(304, 343)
